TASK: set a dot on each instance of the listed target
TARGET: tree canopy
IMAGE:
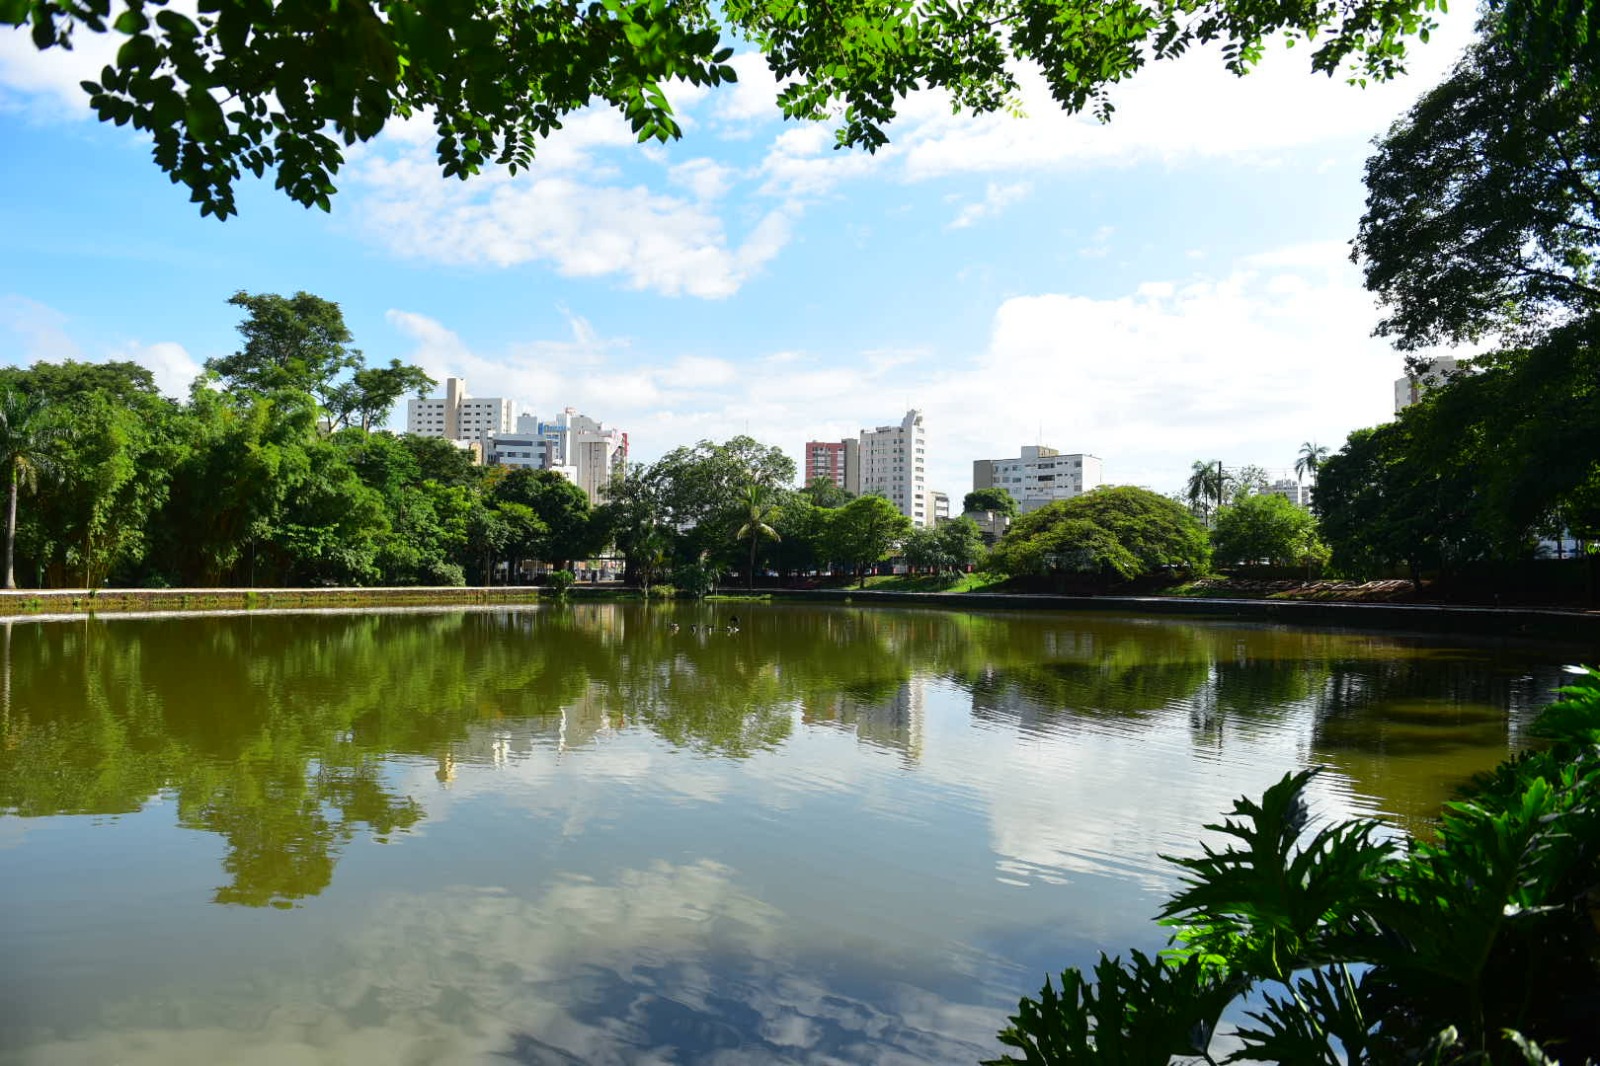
(1483, 205)
(1266, 529)
(1482, 224)
(1121, 532)
(287, 87)
(997, 499)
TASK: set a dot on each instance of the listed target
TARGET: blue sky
(1168, 287)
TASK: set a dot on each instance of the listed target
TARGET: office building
(1293, 491)
(457, 416)
(1039, 476)
(578, 447)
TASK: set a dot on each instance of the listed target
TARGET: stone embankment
(94, 601)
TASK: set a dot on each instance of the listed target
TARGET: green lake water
(577, 835)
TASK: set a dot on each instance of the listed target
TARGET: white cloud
(705, 179)
(45, 84)
(648, 240)
(174, 368)
(751, 99)
(996, 198)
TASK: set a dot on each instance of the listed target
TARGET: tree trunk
(750, 575)
(11, 530)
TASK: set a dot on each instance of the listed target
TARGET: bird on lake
(674, 627)
(693, 628)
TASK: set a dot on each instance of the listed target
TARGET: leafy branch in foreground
(287, 86)
(1480, 945)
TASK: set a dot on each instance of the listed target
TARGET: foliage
(865, 531)
(1266, 528)
(568, 530)
(1482, 206)
(1482, 224)
(952, 545)
(756, 514)
(997, 499)
(562, 581)
(288, 87)
(28, 442)
(1121, 532)
(1248, 480)
(1310, 460)
(1475, 945)
(825, 492)
(1208, 483)
(302, 343)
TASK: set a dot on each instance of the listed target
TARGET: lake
(627, 833)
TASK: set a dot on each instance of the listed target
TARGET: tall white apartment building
(894, 464)
(1409, 389)
(1039, 476)
(457, 416)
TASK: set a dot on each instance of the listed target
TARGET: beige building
(457, 416)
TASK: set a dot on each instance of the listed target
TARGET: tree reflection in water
(276, 731)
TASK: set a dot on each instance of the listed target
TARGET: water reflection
(272, 731)
(582, 835)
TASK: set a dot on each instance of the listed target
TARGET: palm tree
(1207, 482)
(756, 511)
(1311, 456)
(28, 438)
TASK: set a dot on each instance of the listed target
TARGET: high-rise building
(1291, 490)
(575, 445)
(1411, 388)
(938, 504)
(1039, 476)
(894, 464)
(457, 416)
(838, 461)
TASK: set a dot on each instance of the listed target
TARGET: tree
(922, 550)
(298, 342)
(371, 393)
(1248, 480)
(1119, 532)
(1208, 482)
(757, 515)
(1483, 205)
(128, 383)
(287, 87)
(562, 509)
(28, 442)
(960, 542)
(997, 499)
(440, 460)
(1266, 528)
(1310, 460)
(864, 531)
(1482, 223)
(825, 492)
